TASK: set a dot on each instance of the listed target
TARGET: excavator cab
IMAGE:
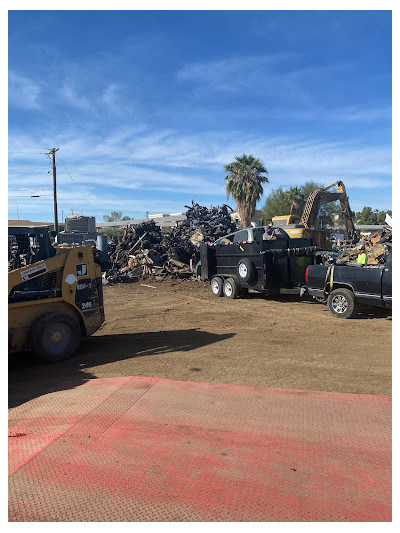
(285, 220)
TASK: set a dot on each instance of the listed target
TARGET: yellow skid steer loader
(53, 302)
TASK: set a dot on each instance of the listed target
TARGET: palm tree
(244, 183)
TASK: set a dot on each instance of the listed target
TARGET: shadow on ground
(30, 378)
(364, 313)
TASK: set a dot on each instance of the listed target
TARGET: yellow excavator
(306, 224)
(54, 301)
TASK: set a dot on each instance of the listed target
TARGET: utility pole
(53, 153)
(17, 217)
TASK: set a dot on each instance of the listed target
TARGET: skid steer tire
(216, 286)
(55, 336)
(245, 270)
(342, 303)
(231, 289)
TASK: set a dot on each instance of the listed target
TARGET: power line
(66, 170)
(24, 168)
(19, 147)
(31, 196)
(64, 201)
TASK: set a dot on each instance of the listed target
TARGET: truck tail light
(307, 273)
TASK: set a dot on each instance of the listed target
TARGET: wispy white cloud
(23, 92)
(110, 97)
(145, 160)
(340, 114)
(223, 69)
(69, 92)
(98, 205)
(260, 74)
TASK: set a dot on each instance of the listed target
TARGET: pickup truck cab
(345, 288)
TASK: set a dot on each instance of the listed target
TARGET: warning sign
(33, 272)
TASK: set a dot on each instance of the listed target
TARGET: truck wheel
(245, 269)
(231, 290)
(216, 286)
(342, 303)
(55, 336)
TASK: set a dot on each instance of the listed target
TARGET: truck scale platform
(149, 449)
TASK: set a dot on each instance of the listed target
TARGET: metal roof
(370, 227)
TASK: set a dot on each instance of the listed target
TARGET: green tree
(277, 203)
(114, 216)
(381, 216)
(371, 216)
(244, 183)
(112, 232)
(126, 218)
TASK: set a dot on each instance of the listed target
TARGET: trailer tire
(342, 303)
(217, 286)
(245, 269)
(231, 289)
(55, 336)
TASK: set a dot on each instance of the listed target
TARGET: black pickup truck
(345, 288)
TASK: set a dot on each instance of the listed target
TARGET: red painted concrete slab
(148, 449)
(47, 421)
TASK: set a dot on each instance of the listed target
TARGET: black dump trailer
(255, 265)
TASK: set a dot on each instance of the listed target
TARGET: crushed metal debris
(145, 251)
(375, 247)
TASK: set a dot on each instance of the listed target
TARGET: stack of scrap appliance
(79, 230)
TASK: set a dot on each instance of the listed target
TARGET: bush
(112, 232)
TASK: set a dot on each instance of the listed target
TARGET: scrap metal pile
(144, 250)
(375, 247)
(21, 251)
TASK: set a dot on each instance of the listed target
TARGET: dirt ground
(180, 331)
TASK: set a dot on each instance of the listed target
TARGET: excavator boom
(305, 224)
(323, 196)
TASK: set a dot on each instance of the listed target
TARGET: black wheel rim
(57, 338)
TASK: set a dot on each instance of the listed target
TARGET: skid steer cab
(244, 261)
(52, 303)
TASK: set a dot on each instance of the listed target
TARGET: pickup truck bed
(346, 287)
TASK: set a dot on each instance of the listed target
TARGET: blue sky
(147, 107)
